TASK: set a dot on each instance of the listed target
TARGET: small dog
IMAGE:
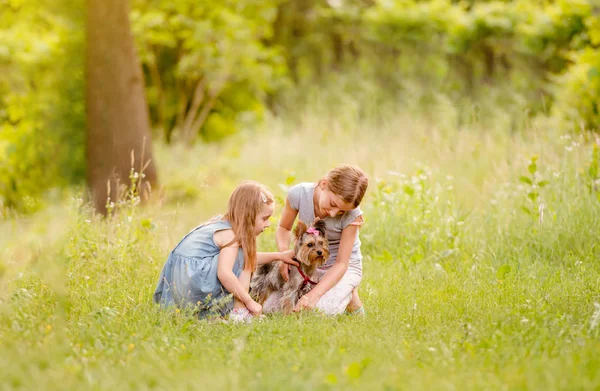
(312, 250)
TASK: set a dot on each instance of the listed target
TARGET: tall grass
(469, 283)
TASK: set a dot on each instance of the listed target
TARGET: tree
(116, 110)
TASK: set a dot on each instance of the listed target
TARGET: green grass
(463, 288)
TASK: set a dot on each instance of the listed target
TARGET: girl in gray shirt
(335, 199)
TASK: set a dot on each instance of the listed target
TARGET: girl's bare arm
(283, 234)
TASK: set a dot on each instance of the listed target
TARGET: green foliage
(486, 53)
(480, 43)
(533, 183)
(593, 171)
(213, 69)
(423, 223)
(41, 100)
(207, 64)
(578, 87)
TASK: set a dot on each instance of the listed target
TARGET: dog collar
(304, 276)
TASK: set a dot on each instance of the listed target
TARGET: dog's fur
(311, 252)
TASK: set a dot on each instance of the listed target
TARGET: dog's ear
(300, 230)
(320, 226)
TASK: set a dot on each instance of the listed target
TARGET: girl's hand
(288, 257)
(306, 302)
(284, 270)
(254, 307)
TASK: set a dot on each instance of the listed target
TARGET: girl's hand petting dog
(288, 257)
(284, 270)
(306, 302)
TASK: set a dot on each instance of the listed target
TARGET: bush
(578, 88)
(41, 103)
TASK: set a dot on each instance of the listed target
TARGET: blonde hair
(348, 182)
(244, 205)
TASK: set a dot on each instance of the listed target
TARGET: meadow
(481, 265)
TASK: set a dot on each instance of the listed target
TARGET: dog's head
(312, 248)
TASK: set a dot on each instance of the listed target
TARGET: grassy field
(481, 268)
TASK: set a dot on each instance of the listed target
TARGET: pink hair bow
(312, 231)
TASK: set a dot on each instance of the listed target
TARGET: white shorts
(335, 301)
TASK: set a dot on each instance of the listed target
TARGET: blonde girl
(216, 259)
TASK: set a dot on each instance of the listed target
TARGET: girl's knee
(333, 305)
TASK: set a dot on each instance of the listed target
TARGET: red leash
(306, 279)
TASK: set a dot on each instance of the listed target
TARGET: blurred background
(213, 72)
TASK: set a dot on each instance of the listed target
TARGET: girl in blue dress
(215, 260)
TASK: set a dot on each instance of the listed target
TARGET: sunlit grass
(463, 288)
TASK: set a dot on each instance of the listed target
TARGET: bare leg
(355, 302)
(244, 278)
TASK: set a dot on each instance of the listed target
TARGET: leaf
(543, 183)
(532, 168)
(525, 179)
(290, 179)
(385, 256)
(148, 224)
(11, 149)
(354, 370)
(331, 379)
(503, 271)
(408, 190)
(526, 210)
(593, 72)
(532, 196)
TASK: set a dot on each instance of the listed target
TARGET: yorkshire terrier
(312, 250)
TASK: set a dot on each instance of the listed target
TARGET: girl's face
(262, 219)
(330, 204)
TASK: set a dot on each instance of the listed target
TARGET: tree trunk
(116, 109)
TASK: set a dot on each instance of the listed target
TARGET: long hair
(245, 204)
(348, 182)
